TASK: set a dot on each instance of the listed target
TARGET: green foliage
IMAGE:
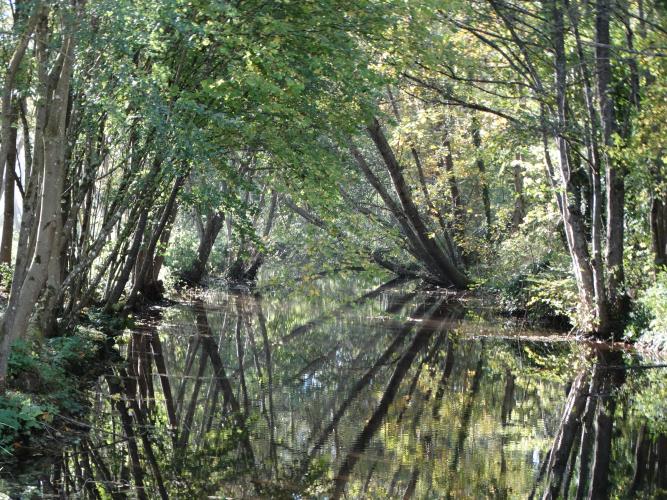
(6, 275)
(182, 250)
(530, 272)
(46, 380)
(649, 319)
(109, 323)
(648, 394)
(555, 291)
(21, 415)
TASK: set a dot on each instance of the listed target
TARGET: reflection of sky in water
(311, 382)
(536, 457)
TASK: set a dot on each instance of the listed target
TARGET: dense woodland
(515, 149)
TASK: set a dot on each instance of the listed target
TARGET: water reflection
(385, 393)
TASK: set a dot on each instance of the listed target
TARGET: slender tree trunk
(144, 285)
(38, 13)
(158, 261)
(658, 220)
(614, 173)
(481, 168)
(592, 306)
(34, 181)
(130, 261)
(415, 245)
(458, 210)
(519, 211)
(258, 257)
(22, 301)
(10, 175)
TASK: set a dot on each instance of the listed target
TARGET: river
(349, 389)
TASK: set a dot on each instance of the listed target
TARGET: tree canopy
(511, 147)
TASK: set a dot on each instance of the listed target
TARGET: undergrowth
(649, 319)
(46, 389)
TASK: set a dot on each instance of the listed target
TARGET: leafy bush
(531, 273)
(45, 382)
(6, 275)
(649, 319)
(21, 414)
(181, 252)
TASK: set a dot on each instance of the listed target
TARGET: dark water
(345, 390)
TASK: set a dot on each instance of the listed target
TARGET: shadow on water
(389, 393)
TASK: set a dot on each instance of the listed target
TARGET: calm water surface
(350, 390)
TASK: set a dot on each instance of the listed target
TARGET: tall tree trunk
(10, 173)
(38, 13)
(481, 168)
(594, 156)
(614, 173)
(592, 305)
(212, 228)
(22, 300)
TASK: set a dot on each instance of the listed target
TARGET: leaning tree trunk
(444, 267)
(144, 284)
(214, 224)
(158, 261)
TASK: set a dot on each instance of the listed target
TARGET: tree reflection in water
(391, 394)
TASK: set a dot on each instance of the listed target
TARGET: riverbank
(46, 398)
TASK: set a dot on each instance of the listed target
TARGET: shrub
(649, 319)
(46, 381)
(6, 276)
